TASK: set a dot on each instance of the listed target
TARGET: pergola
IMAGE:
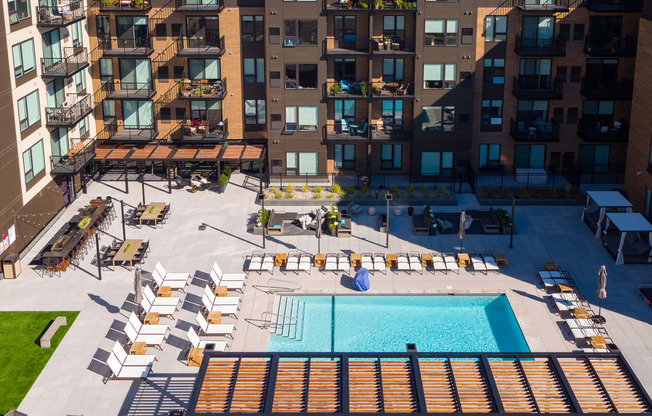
(629, 223)
(605, 201)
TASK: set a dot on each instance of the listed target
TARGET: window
(537, 31)
(561, 73)
(161, 30)
(597, 115)
(108, 111)
(33, 161)
(564, 31)
(29, 110)
(344, 69)
(175, 29)
(106, 70)
(54, 93)
(83, 126)
(275, 79)
(392, 112)
(254, 70)
(578, 31)
(344, 156)
(300, 32)
(24, 61)
(529, 156)
(491, 114)
(344, 109)
(571, 115)
(209, 110)
(391, 156)
(595, 155)
(436, 163)
(179, 113)
(276, 121)
(300, 76)
(393, 69)
(466, 79)
(51, 48)
(59, 143)
(441, 32)
(18, 10)
(135, 74)
(132, 30)
(394, 27)
(76, 31)
(436, 76)
(274, 35)
(467, 35)
(647, 209)
(166, 115)
(576, 74)
(254, 112)
(489, 157)
(208, 69)
(534, 73)
(344, 30)
(533, 111)
(495, 29)
(438, 118)
(601, 73)
(163, 73)
(178, 72)
(494, 71)
(253, 28)
(137, 114)
(80, 82)
(558, 114)
(301, 118)
(302, 163)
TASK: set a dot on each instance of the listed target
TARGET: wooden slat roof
(102, 151)
(164, 152)
(209, 152)
(233, 152)
(142, 152)
(419, 383)
(185, 152)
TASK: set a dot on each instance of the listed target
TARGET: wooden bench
(59, 321)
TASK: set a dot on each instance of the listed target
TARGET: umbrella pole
(462, 246)
(600, 308)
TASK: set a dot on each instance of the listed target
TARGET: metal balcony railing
(617, 46)
(540, 47)
(121, 90)
(386, 89)
(543, 5)
(125, 46)
(132, 134)
(207, 43)
(205, 131)
(389, 46)
(199, 5)
(529, 132)
(74, 161)
(203, 89)
(61, 15)
(69, 116)
(125, 5)
(338, 47)
(615, 5)
(537, 86)
(369, 5)
(602, 129)
(391, 132)
(607, 90)
(74, 60)
(346, 131)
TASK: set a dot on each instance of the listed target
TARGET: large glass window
(595, 155)
(54, 93)
(601, 73)
(24, 60)
(300, 76)
(344, 109)
(33, 161)
(394, 27)
(76, 31)
(253, 28)
(438, 118)
(302, 163)
(441, 32)
(532, 112)
(344, 156)
(535, 73)
(255, 112)
(605, 31)
(51, 48)
(344, 69)
(253, 70)
(529, 156)
(308, 118)
(18, 10)
(489, 156)
(135, 74)
(537, 31)
(494, 71)
(199, 69)
(59, 143)
(203, 31)
(80, 82)
(106, 70)
(137, 114)
(392, 111)
(132, 31)
(491, 113)
(436, 163)
(495, 29)
(391, 156)
(29, 110)
(598, 115)
(436, 76)
(344, 31)
(393, 69)
(300, 32)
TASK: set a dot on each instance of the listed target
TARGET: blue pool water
(374, 323)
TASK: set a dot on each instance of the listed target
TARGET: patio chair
(147, 329)
(126, 372)
(214, 329)
(230, 284)
(152, 340)
(583, 333)
(554, 278)
(220, 300)
(363, 130)
(567, 306)
(131, 360)
(159, 301)
(490, 262)
(210, 306)
(196, 342)
(477, 264)
(292, 263)
(305, 263)
(403, 88)
(439, 264)
(268, 263)
(451, 263)
(343, 263)
(255, 262)
(331, 263)
(228, 276)
(174, 284)
(415, 262)
(566, 297)
(160, 309)
(579, 323)
(171, 276)
(380, 263)
(403, 263)
(344, 85)
(367, 262)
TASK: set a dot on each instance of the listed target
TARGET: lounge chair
(292, 263)
(152, 340)
(583, 333)
(268, 263)
(220, 300)
(159, 301)
(439, 264)
(331, 263)
(210, 306)
(477, 264)
(403, 263)
(567, 306)
(131, 360)
(566, 297)
(147, 329)
(228, 276)
(255, 262)
(174, 284)
(415, 262)
(305, 263)
(197, 342)
(554, 278)
(490, 262)
(451, 263)
(230, 284)
(367, 262)
(380, 263)
(179, 276)
(595, 349)
(130, 372)
(343, 263)
(579, 323)
(162, 310)
(214, 329)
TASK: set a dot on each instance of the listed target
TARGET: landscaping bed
(550, 196)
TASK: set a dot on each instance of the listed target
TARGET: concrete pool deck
(71, 382)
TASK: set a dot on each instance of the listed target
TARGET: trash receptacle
(11, 266)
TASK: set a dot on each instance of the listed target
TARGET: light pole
(99, 261)
(261, 198)
(122, 210)
(142, 181)
(388, 197)
(512, 223)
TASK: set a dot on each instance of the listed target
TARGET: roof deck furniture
(477, 264)
(344, 227)
(645, 291)
(214, 329)
(380, 263)
(382, 222)
(156, 302)
(343, 263)
(367, 262)
(415, 262)
(149, 329)
(489, 221)
(501, 260)
(403, 263)
(451, 264)
(228, 276)
(439, 263)
(120, 370)
(237, 285)
(463, 260)
(331, 263)
(634, 240)
(292, 263)
(490, 262)
(155, 340)
(419, 225)
(127, 253)
(605, 201)
(153, 212)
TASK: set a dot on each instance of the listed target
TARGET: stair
(289, 318)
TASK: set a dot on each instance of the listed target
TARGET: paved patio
(71, 383)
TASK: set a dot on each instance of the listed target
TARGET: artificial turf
(21, 358)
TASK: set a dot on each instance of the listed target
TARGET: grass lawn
(21, 358)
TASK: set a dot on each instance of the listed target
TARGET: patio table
(164, 292)
(214, 317)
(598, 341)
(221, 291)
(356, 259)
(151, 318)
(195, 357)
(138, 348)
(426, 260)
(127, 256)
(320, 260)
(550, 266)
(152, 213)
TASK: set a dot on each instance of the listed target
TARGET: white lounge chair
(451, 263)
(214, 329)
(343, 263)
(154, 340)
(367, 262)
(490, 263)
(567, 297)
(579, 323)
(439, 264)
(582, 333)
(255, 262)
(477, 264)
(147, 329)
(305, 263)
(130, 372)
(292, 263)
(171, 276)
(567, 306)
(379, 263)
(224, 309)
(131, 360)
(230, 284)
(197, 342)
(159, 301)
(331, 263)
(415, 262)
(268, 263)
(595, 349)
(403, 263)
(220, 300)
(174, 284)
(554, 278)
(228, 276)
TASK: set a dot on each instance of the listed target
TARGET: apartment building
(46, 112)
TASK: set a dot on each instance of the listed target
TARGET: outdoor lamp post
(511, 229)
(388, 197)
(122, 211)
(261, 198)
(99, 260)
(142, 181)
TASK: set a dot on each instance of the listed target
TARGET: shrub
(343, 195)
(349, 190)
(227, 170)
(364, 188)
(503, 217)
(330, 196)
(223, 180)
(289, 188)
(393, 189)
(289, 195)
(335, 89)
(441, 189)
(318, 189)
(274, 189)
(409, 195)
(410, 188)
(335, 188)
(568, 187)
(259, 220)
(317, 195)
(305, 188)
(278, 195)
(424, 189)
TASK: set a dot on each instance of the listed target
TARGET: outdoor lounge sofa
(419, 225)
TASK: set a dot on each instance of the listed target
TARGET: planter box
(531, 202)
(363, 202)
(506, 230)
(258, 230)
(221, 189)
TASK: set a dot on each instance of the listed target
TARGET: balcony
(125, 46)
(532, 87)
(540, 47)
(74, 61)
(395, 46)
(205, 132)
(129, 134)
(60, 16)
(394, 5)
(69, 115)
(73, 162)
(595, 130)
(203, 89)
(615, 5)
(390, 132)
(343, 132)
(607, 91)
(394, 90)
(346, 6)
(119, 90)
(208, 44)
(334, 47)
(613, 47)
(346, 89)
(529, 132)
(129, 6)
(543, 5)
(199, 6)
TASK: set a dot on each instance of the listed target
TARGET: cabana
(631, 244)
(605, 201)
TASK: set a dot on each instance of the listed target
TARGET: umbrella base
(598, 319)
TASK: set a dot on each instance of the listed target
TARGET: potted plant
(332, 220)
(139, 4)
(375, 89)
(364, 88)
(259, 224)
(107, 3)
(504, 221)
(388, 42)
(335, 89)
(378, 4)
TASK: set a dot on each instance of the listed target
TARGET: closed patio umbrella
(138, 287)
(462, 232)
(318, 230)
(602, 290)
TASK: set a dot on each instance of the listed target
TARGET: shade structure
(361, 280)
(605, 200)
(462, 232)
(629, 223)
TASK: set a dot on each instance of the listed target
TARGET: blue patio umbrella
(361, 280)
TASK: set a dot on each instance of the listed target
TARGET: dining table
(127, 252)
(152, 212)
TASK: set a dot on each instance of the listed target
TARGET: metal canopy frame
(170, 157)
(413, 358)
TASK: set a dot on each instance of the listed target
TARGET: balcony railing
(396, 89)
(125, 46)
(205, 131)
(592, 129)
(199, 6)
(203, 89)
(131, 134)
(120, 90)
(346, 89)
(73, 162)
(394, 46)
(530, 132)
(206, 44)
(75, 60)
(614, 47)
(607, 91)
(69, 116)
(393, 5)
(393, 132)
(615, 5)
(60, 16)
(369, 5)
(543, 5)
(537, 87)
(336, 47)
(540, 47)
(352, 131)
(125, 5)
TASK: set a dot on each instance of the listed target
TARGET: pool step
(280, 315)
(289, 318)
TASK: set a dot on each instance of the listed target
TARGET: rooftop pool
(385, 323)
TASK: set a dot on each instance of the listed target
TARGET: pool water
(379, 323)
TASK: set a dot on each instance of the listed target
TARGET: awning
(604, 200)
(629, 222)
(180, 153)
